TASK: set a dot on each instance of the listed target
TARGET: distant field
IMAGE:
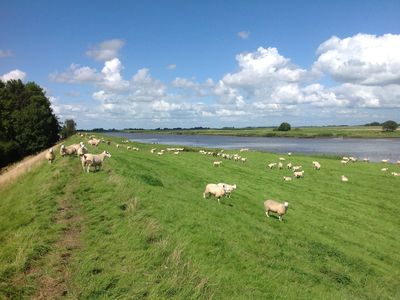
(140, 229)
(301, 132)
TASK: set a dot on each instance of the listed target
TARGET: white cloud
(77, 74)
(106, 50)
(171, 67)
(243, 34)
(112, 75)
(14, 74)
(5, 53)
(362, 59)
(229, 113)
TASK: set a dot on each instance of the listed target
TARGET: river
(374, 149)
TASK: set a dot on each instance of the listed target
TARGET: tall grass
(147, 232)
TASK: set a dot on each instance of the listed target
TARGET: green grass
(147, 232)
(299, 132)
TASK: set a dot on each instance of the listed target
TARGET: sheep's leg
(267, 213)
(218, 201)
(280, 218)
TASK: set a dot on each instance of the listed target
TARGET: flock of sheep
(218, 190)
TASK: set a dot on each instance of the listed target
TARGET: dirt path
(20, 168)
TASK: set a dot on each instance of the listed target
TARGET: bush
(389, 126)
(284, 127)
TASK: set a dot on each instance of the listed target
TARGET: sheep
(94, 160)
(50, 156)
(153, 150)
(176, 152)
(217, 163)
(285, 178)
(366, 159)
(280, 166)
(384, 169)
(128, 148)
(395, 174)
(244, 149)
(282, 159)
(316, 165)
(117, 145)
(385, 161)
(344, 178)
(160, 153)
(272, 165)
(276, 207)
(82, 150)
(244, 159)
(298, 174)
(215, 190)
(345, 158)
(94, 142)
(289, 154)
(135, 148)
(296, 168)
(352, 159)
(72, 149)
(398, 162)
(228, 188)
(344, 162)
(289, 166)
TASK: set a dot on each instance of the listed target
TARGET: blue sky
(207, 63)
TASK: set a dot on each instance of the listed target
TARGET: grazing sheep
(94, 160)
(298, 174)
(345, 158)
(395, 174)
(82, 150)
(153, 150)
(228, 188)
(316, 165)
(94, 142)
(366, 159)
(289, 166)
(275, 207)
(280, 166)
(117, 145)
(272, 165)
(217, 163)
(50, 156)
(384, 169)
(352, 159)
(296, 168)
(176, 152)
(285, 178)
(398, 162)
(244, 159)
(135, 148)
(289, 153)
(244, 149)
(344, 178)
(344, 162)
(282, 159)
(160, 153)
(72, 149)
(128, 148)
(214, 189)
(385, 161)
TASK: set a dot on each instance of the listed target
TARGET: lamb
(217, 163)
(228, 188)
(285, 178)
(276, 207)
(94, 142)
(296, 168)
(50, 156)
(298, 174)
(316, 165)
(344, 178)
(214, 189)
(94, 160)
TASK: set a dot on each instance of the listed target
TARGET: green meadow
(299, 132)
(140, 229)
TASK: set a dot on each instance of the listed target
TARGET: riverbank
(141, 229)
(298, 132)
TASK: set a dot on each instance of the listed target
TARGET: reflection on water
(374, 149)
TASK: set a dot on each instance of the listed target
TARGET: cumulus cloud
(361, 59)
(77, 74)
(14, 74)
(5, 53)
(106, 50)
(243, 34)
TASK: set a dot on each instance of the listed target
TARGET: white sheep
(344, 162)
(316, 165)
(50, 156)
(153, 150)
(298, 174)
(282, 159)
(395, 174)
(289, 154)
(385, 161)
(352, 159)
(214, 189)
(398, 162)
(275, 207)
(296, 168)
(285, 178)
(229, 188)
(344, 178)
(244, 149)
(94, 142)
(289, 166)
(217, 163)
(82, 150)
(366, 159)
(272, 165)
(71, 149)
(280, 166)
(384, 169)
(94, 160)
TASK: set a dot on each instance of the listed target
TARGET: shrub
(389, 126)
(284, 127)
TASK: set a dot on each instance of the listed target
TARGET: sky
(149, 64)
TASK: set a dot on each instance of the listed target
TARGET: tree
(389, 126)
(27, 122)
(68, 129)
(284, 127)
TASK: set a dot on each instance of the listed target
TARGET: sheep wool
(275, 207)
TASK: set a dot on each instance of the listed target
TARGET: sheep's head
(286, 204)
(106, 153)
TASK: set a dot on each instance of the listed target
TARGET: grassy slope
(147, 231)
(300, 132)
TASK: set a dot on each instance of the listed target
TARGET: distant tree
(389, 126)
(284, 127)
(373, 124)
(68, 129)
(27, 122)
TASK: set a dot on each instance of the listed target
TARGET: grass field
(140, 229)
(300, 132)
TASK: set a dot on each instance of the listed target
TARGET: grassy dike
(140, 228)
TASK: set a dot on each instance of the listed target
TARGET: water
(374, 149)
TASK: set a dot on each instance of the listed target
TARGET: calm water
(375, 149)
